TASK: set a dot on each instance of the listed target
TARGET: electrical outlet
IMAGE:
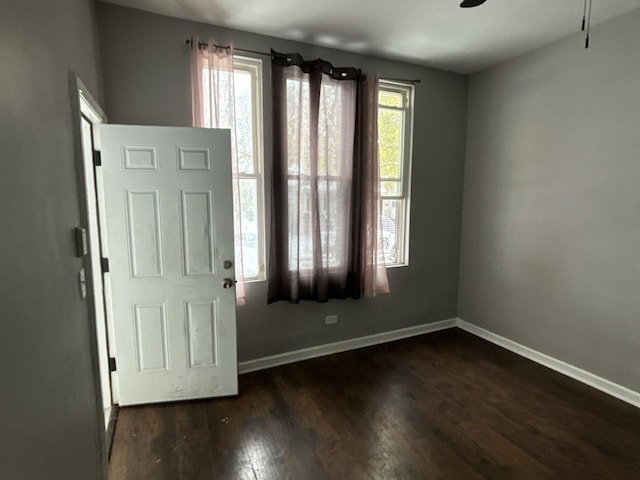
(331, 319)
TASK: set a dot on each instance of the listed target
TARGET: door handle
(229, 282)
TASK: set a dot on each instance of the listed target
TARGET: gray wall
(146, 80)
(49, 419)
(551, 225)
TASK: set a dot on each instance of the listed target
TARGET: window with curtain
(325, 236)
(248, 106)
(319, 182)
(226, 93)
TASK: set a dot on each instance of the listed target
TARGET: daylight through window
(248, 89)
(395, 117)
(247, 80)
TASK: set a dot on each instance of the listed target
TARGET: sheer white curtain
(213, 103)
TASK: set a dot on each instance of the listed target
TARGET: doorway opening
(158, 218)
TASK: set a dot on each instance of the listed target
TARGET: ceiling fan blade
(471, 3)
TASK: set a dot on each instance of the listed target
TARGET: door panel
(169, 219)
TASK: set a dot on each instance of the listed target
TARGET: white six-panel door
(169, 216)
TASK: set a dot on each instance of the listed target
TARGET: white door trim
(89, 109)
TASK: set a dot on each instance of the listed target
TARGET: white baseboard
(616, 390)
(623, 393)
(343, 346)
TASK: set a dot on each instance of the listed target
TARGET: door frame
(84, 104)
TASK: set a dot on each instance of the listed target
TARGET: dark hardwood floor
(442, 406)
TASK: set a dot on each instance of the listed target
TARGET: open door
(169, 221)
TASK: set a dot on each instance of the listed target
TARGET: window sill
(255, 280)
(396, 265)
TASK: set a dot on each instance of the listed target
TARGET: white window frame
(407, 92)
(254, 67)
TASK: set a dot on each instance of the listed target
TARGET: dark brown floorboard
(441, 406)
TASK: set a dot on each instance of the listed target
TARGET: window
(336, 114)
(248, 104)
(324, 202)
(247, 88)
(395, 119)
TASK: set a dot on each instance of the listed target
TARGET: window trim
(408, 94)
(254, 67)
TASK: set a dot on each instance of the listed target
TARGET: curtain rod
(268, 54)
(202, 45)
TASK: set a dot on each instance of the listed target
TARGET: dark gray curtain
(322, 197)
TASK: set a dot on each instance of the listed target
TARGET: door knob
(228, 283)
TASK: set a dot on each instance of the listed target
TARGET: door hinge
(112, 364)
(82, 247)
(97, 158)
(104, 263)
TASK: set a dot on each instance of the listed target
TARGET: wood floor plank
(446, 405)
(550, 418)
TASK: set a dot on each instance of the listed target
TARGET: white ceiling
(430, 32)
